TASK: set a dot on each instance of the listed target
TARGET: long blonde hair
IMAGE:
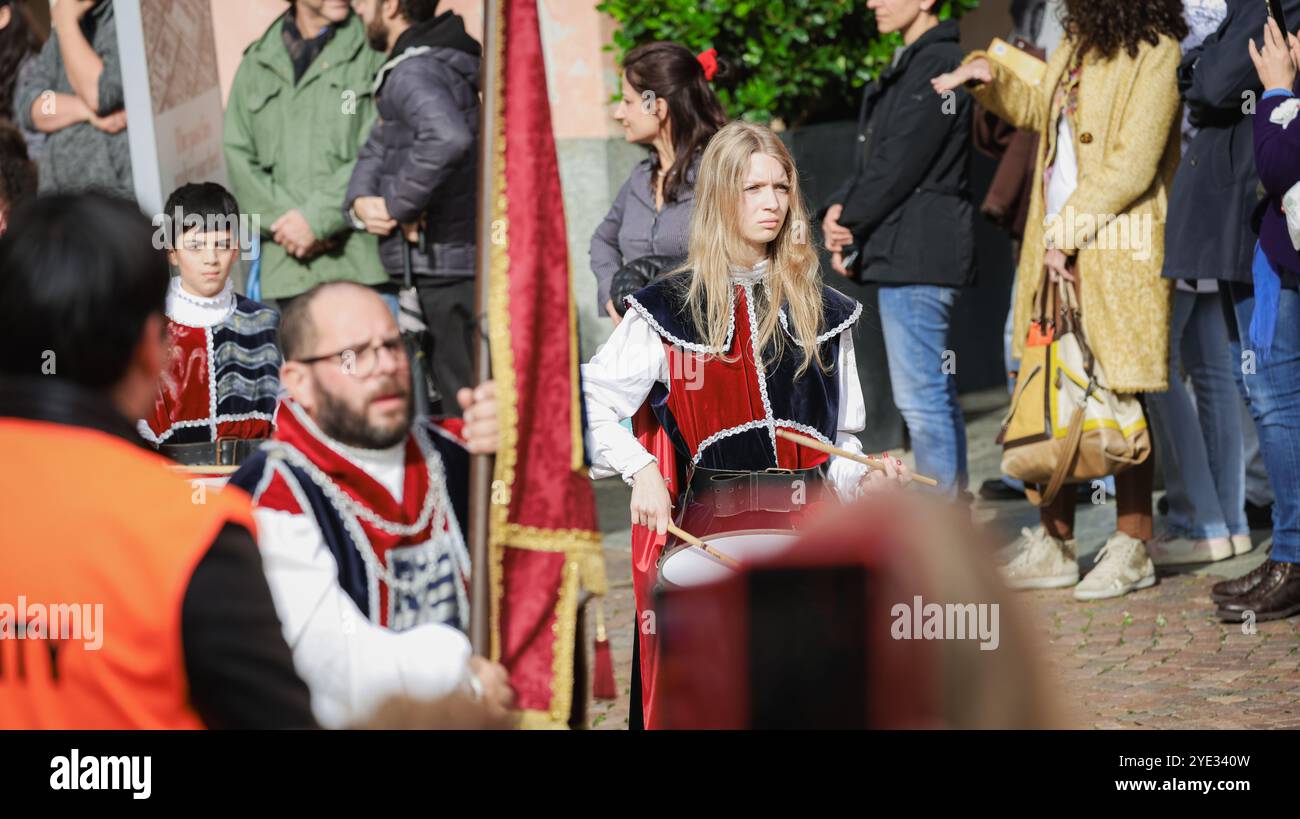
(793, 275)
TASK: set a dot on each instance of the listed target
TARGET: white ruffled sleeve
(615, 383)
(843, 473)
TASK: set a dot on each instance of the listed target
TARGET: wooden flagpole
(481, 466)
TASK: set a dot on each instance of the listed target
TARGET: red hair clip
(709, 60)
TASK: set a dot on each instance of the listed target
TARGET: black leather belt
(734, 492)
(221, 452)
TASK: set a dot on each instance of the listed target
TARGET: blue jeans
(1201, 445)
(1012, 365)
(922, 373)
(1273, 393)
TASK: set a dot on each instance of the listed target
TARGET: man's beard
(377, 34)
(339, 422)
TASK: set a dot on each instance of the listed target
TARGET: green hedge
(798, 60)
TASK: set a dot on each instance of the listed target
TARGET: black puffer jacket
(422, 156)
(908, 204)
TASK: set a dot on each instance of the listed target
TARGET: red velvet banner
(544, 541)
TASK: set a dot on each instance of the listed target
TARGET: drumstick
(200, 469)
(813, 443)
(694, 541)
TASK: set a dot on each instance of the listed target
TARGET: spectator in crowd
(73, 93)
(415, 183)
(669, 106)
(17, 172)
(904, 220)
(1208, 237)
(1103, 156)
(299, 109)
(1265, 328)
(19, 46)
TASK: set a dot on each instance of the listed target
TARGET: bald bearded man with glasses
(360, 508)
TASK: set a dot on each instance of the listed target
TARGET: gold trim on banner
(565, 628)
(540, 721)
(583, 546)
(498, 323)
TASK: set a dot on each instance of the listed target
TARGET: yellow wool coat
(1126, 139)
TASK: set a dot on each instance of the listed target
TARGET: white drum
(688, 565)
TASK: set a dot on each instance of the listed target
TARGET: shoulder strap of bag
(1068, 452)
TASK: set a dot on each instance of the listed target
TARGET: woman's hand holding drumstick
(651, 505)
(893, 473)
(653, 508)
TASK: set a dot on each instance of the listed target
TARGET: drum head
(692, 566)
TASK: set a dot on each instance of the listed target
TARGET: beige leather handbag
(1064, 424)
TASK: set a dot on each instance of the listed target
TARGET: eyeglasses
(363, 362)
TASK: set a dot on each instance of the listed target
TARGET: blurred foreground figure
(360, 507)
(882, 617)
(128, 598)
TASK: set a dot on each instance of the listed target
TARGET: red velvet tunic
(220, 381)
(713, 397)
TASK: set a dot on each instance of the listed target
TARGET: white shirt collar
(749, 274)
(186, 308)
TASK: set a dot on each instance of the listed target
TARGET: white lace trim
(824, 337)
(758, 367)
(199, 312)
(212, 380)
(158, 440)
(687, 345)
(245, 416)
(805, 429)
(142, 427)
(197, 422)
(435, 515)
(743, 275)
(350, 523)
(726, 433)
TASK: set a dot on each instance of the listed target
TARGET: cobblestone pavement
(1157, 658)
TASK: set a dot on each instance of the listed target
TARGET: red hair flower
(709, 59)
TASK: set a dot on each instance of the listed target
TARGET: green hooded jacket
(293, 146)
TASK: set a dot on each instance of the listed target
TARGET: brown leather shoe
(1277, 595)
(1228, 589)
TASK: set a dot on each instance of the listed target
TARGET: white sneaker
(1168, 549)
(1122, 566)
(1241, 544)
(1043, 563)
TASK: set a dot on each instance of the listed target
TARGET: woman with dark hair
(668, 106)
(1106, 109)
(19, 44)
